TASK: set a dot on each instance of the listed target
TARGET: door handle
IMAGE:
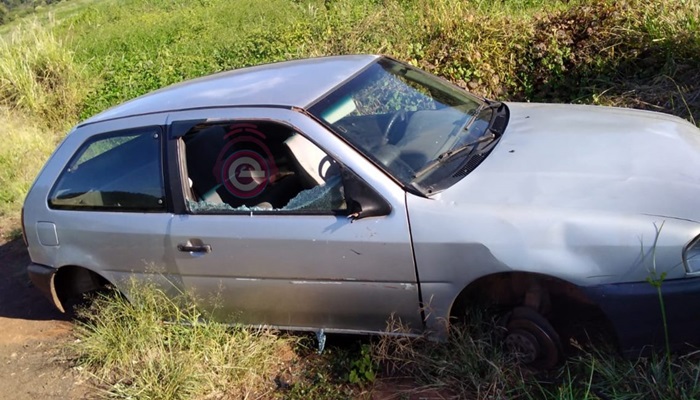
(189, 248)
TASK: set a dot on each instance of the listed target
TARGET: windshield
(404, 119)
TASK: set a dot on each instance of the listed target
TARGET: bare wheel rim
(526, 324)
(523, 345)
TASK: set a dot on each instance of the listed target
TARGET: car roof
(295, 83)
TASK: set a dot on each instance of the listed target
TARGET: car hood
(590, 158)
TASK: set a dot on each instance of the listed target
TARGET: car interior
(258, 166)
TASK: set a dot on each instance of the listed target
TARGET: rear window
(118, 171)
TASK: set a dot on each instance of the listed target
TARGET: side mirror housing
(362, 200)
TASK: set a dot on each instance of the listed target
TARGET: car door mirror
(362, 201)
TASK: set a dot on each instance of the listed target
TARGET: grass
(26, 145)
(154, 347)
(39, 77)
(158, 347)
(79, 57)
(474, 365)
(40, 91)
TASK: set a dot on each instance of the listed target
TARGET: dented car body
(334, 193)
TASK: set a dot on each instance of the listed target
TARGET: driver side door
(263, 236)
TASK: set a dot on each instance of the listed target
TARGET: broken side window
(258, 166)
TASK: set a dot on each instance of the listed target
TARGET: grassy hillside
(79, 57)
(626, 52)
(83, 56)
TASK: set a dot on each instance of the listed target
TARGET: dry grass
(39, 77)
(472, 364)
(158, 347)
(26, 146)
(41, 88)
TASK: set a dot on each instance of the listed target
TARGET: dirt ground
(32, 334)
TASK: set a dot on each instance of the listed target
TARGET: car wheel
(532, 339)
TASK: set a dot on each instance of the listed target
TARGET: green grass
(41, 88)
(26, 145)
(45, 14)
(155, 347)
(39, 77)
(599, 51)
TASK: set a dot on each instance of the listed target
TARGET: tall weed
(472, 364)
(39, 76)
(596, 374)
(26, 145)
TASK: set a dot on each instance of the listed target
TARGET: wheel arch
(555, 298)
(71, 281)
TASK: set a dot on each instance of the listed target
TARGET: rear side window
(119, 171)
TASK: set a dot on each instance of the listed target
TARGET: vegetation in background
(25, 146)
(629, 52)
(11, 9)
(41, 90)
(39, 77)
(94, 55)
(89, 55)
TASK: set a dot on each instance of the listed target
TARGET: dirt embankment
(32, 336)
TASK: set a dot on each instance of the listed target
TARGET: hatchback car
(331, 194)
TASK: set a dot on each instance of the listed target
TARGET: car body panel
(584, 213)
(135, 238)
(639, 322)
(304, 81)
(330, 274)
(593, 158)
(303, 270)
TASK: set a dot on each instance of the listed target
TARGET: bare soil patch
(32, 335)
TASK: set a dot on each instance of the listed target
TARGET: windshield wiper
(450, 154)
(497, 124)
(475, 116)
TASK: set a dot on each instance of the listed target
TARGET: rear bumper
(635, 313)
(42, 278)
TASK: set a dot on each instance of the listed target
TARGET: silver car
(331, 194)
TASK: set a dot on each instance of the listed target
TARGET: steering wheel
(390, 157)
(398, 116)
